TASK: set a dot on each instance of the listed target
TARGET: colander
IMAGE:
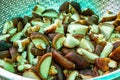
(18, 8)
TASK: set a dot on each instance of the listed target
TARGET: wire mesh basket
(18, 8)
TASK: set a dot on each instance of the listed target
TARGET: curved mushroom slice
(78, 60)
(114, 37)
(73, 75)
(102, 63)
(90, 57)
(4, 37)
(53, 26)
(12, 31)
(86, 44)
(58, 41)
(43, 65)
(94, 29)
(37, 52)
(50, 13)
(77, 29)
(39, 40)
(33, 29)
(7, 66)
(21, 44)
(65, 63)
(25, 28)
(75, 17)
(106, 26)
(38, 9)
(31, 74)
(4, 54)
(16, 36)
(87, 12)
(115, 55)
(7, 26)
(107, 50)
(71, 42)
(108, 16)
(19, 26)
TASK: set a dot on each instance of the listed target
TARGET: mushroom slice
(58, 41)
(4, 54)
(90, 57)
(73, 75)
(39, 40)
(106, 26)
(38, 9)
(108, 16)
(29, 52)
(107, 50)
(53, 26)
(86, 44)
(102, 63)
(31, 74)
(12, 31)
(21, 44)
(7, 66)
(16, 36)
(77, 29)
(25, 28)
(50, 13)
(87, 12)
(115, 55)
(94, 29)
(75, 17)
(33, 29)
(43, 65)
(37, 52)
(7, 26)
(4, 37)
(71, 42)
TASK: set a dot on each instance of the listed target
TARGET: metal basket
(14, 8)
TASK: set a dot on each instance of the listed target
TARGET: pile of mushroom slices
(71, 44)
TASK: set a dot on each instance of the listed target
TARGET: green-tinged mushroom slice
(107, 50)
(71, 42)
(90, 57)
(4, 37)
(7, 66)
(16, 36)
(7, 26)
(73, 75)
(106, 29)
(58, 41)
(29, 53)
(77, 29)
(50, 13)
(39, 40)
(31, 74)
(86, 44)
(12, 31)
(25, 28)
(43, 65)
(21, 44)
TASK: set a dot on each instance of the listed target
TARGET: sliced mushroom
(87, 12)
(86, 44)
(38, 9)
(53, 70)
(90, 57)
(33, 29)
(67, 50)
(65, 63)
(77, 29)
(4, 37)
(116, 44)
(108, 27)
(12, 31)
(75, 17)
(73, 75)
(29, 53)
(78, 60)
(102, 63)
(7, 26)
(50, 13)
(19, 26)
(107, 50)
(7, 66)
(21, 44)
(94, 29)
(25, 28)
(43, 65)
(37, 52)
(31, 74)
(98, 49)
(115, 55)
(112, 64)
(39, 40)
(71, 42)
(4, 54)
(114, 37)
(53, 26)
(58, 41)
(16, 36)
(108, 16)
